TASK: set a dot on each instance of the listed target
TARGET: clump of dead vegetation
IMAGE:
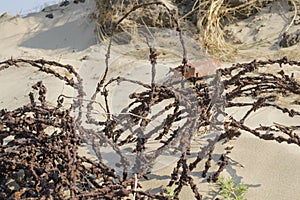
(109, 12)
(205, 20)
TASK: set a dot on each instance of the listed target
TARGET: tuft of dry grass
(109, 12)
(213, 15)
(205, 19)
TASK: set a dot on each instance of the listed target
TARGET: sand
(270, 170)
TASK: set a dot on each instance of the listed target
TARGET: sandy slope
(271, 171)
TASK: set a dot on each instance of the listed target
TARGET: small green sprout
(230, 191)
(169, 192)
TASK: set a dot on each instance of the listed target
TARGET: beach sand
(269, 169)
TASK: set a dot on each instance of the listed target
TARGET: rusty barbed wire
(39, 144)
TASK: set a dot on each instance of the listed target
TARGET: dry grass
(211, 28)
(209, 16)
(109, 12)
(214, 14)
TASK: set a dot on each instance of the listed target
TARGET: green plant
(231, 191)
(168, 191)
